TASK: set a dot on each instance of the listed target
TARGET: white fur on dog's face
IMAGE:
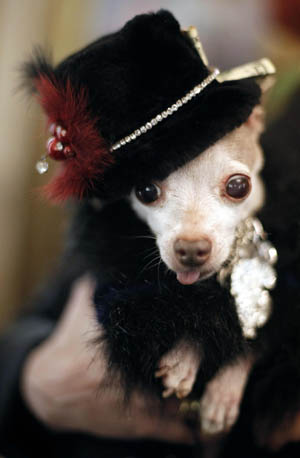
(193, 206)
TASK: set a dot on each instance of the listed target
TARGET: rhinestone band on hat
(168, 112)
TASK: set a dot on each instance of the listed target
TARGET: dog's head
(194, 212)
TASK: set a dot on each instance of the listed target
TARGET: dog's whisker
(133, 237)
(151, 263)
(152, 247)
(152, 253)
(154, 265)
(158, 272)
(154, 260)
(167, 271)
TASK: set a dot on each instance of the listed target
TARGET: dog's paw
(217, 412)
(220, 403)
(178, 370)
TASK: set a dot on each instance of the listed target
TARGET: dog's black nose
(192, 254)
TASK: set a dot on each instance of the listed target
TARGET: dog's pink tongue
(188, 278)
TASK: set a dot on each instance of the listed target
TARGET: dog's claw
(178, 370)
(162, 371)
(183, 391)
(168, 392)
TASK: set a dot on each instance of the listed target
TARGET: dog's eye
(147, 193)
(238, 187)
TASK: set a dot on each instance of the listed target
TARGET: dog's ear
(265, 83)
(256, 120)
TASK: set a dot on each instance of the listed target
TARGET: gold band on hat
(262, 67)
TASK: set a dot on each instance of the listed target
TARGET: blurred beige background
(30, 229)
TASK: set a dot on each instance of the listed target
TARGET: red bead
(55, 149)
(63, 133)
(60, 132)
(52, 128)
(68, 152)
(49, 143)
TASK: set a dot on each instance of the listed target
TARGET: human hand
(64, 382)
(288, 431)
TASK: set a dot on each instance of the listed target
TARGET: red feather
(69, 108)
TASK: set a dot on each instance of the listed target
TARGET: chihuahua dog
(182, 336)
(167, 325)
(193, 215)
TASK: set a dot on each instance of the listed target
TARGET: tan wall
(29, 228)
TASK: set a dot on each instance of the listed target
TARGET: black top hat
(133, 106)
